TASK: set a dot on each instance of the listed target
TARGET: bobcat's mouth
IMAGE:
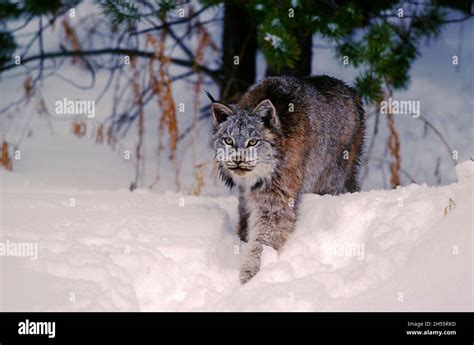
(240, 171)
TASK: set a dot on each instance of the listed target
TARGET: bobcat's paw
(247, 272)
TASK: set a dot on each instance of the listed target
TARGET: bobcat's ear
(220, 112)
(267, 111)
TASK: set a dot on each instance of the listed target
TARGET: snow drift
(404, 249)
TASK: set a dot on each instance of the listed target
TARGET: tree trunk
(239, 40)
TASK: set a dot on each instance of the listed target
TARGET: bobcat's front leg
(242, 227)
(271, 221)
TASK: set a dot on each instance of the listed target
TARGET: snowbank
(403, 249)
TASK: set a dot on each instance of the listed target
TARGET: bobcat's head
(246, 142)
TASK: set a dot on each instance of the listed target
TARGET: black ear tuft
(208, 94)
(219, 110)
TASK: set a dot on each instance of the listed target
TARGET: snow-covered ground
(116, 250)
(102, 247)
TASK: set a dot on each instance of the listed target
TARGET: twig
(438, 133)
(178, 21)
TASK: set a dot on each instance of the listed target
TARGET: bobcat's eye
(252, 142)
(228, 141)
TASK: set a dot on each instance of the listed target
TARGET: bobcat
(285, 137)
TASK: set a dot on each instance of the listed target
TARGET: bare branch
(178, 21)
(438, 133)
(214, 74)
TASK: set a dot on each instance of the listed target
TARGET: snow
(274, 40)
(104, 248)
(115, 250)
